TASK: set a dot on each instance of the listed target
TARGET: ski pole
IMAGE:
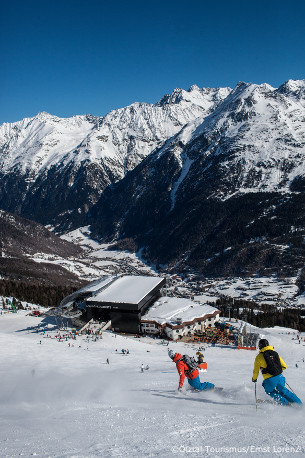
(255, 397)
(290, 387)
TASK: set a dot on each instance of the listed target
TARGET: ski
(275, 403)
(218, 389)
(266, 401)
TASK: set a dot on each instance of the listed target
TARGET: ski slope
(65, 401)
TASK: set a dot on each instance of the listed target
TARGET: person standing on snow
(200, 357)
(271, 365)
(191, 375)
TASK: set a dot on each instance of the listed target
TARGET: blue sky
(77, 57)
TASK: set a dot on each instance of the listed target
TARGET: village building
(178, 317)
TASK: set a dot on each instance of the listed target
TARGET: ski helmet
(177, 357)
(171, 354)
(263, 343)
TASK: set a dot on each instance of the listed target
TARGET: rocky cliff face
(223, 196)
(53, 170)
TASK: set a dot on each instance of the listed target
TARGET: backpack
(191, 362)
(273, 362)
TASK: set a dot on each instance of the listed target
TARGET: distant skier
(272, 366)
(200, 357)
(191, 374)
(142, 367)
(107, 361)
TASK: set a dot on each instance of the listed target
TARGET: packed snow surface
(61, 399)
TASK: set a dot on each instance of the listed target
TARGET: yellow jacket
(260, 363)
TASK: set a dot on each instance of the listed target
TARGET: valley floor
(65, 401)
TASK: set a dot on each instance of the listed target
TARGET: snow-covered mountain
(52, 170)
(215, 181)
(226, 194)
(255, 140)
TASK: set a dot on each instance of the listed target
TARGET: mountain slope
(223, 196)
(49, 391)
(20, 239)
(53, 170)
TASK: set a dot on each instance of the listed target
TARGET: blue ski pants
(275, 387)
(195, 383)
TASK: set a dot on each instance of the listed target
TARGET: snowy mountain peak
(174, 97)
(44, 115)
(244, 90)
(294, 88)
(90, 151)
(229, 188)
(194, 87)
(254, 139)
(206, 97)
(241, 86)
(126, 135)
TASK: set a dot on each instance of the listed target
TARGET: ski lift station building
(134, 304)
(121, 299)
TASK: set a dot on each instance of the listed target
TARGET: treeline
(47, 296)
(262, 315)
(126, 244)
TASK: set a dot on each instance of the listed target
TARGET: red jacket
(182, 369)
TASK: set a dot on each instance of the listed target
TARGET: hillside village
(241, 298)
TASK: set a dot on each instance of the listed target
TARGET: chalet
(178, 317)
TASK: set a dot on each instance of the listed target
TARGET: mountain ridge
(66, 164)
(205, 179)
(221, 196)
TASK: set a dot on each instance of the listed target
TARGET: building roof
(97, 284)
(90, 289)
(127, 289)
(175, 311)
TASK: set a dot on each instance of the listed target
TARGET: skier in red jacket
(191, 375)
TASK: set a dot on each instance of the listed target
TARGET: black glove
(254, 380)
(180, 388)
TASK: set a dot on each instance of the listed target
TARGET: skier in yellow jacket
(271, 365)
